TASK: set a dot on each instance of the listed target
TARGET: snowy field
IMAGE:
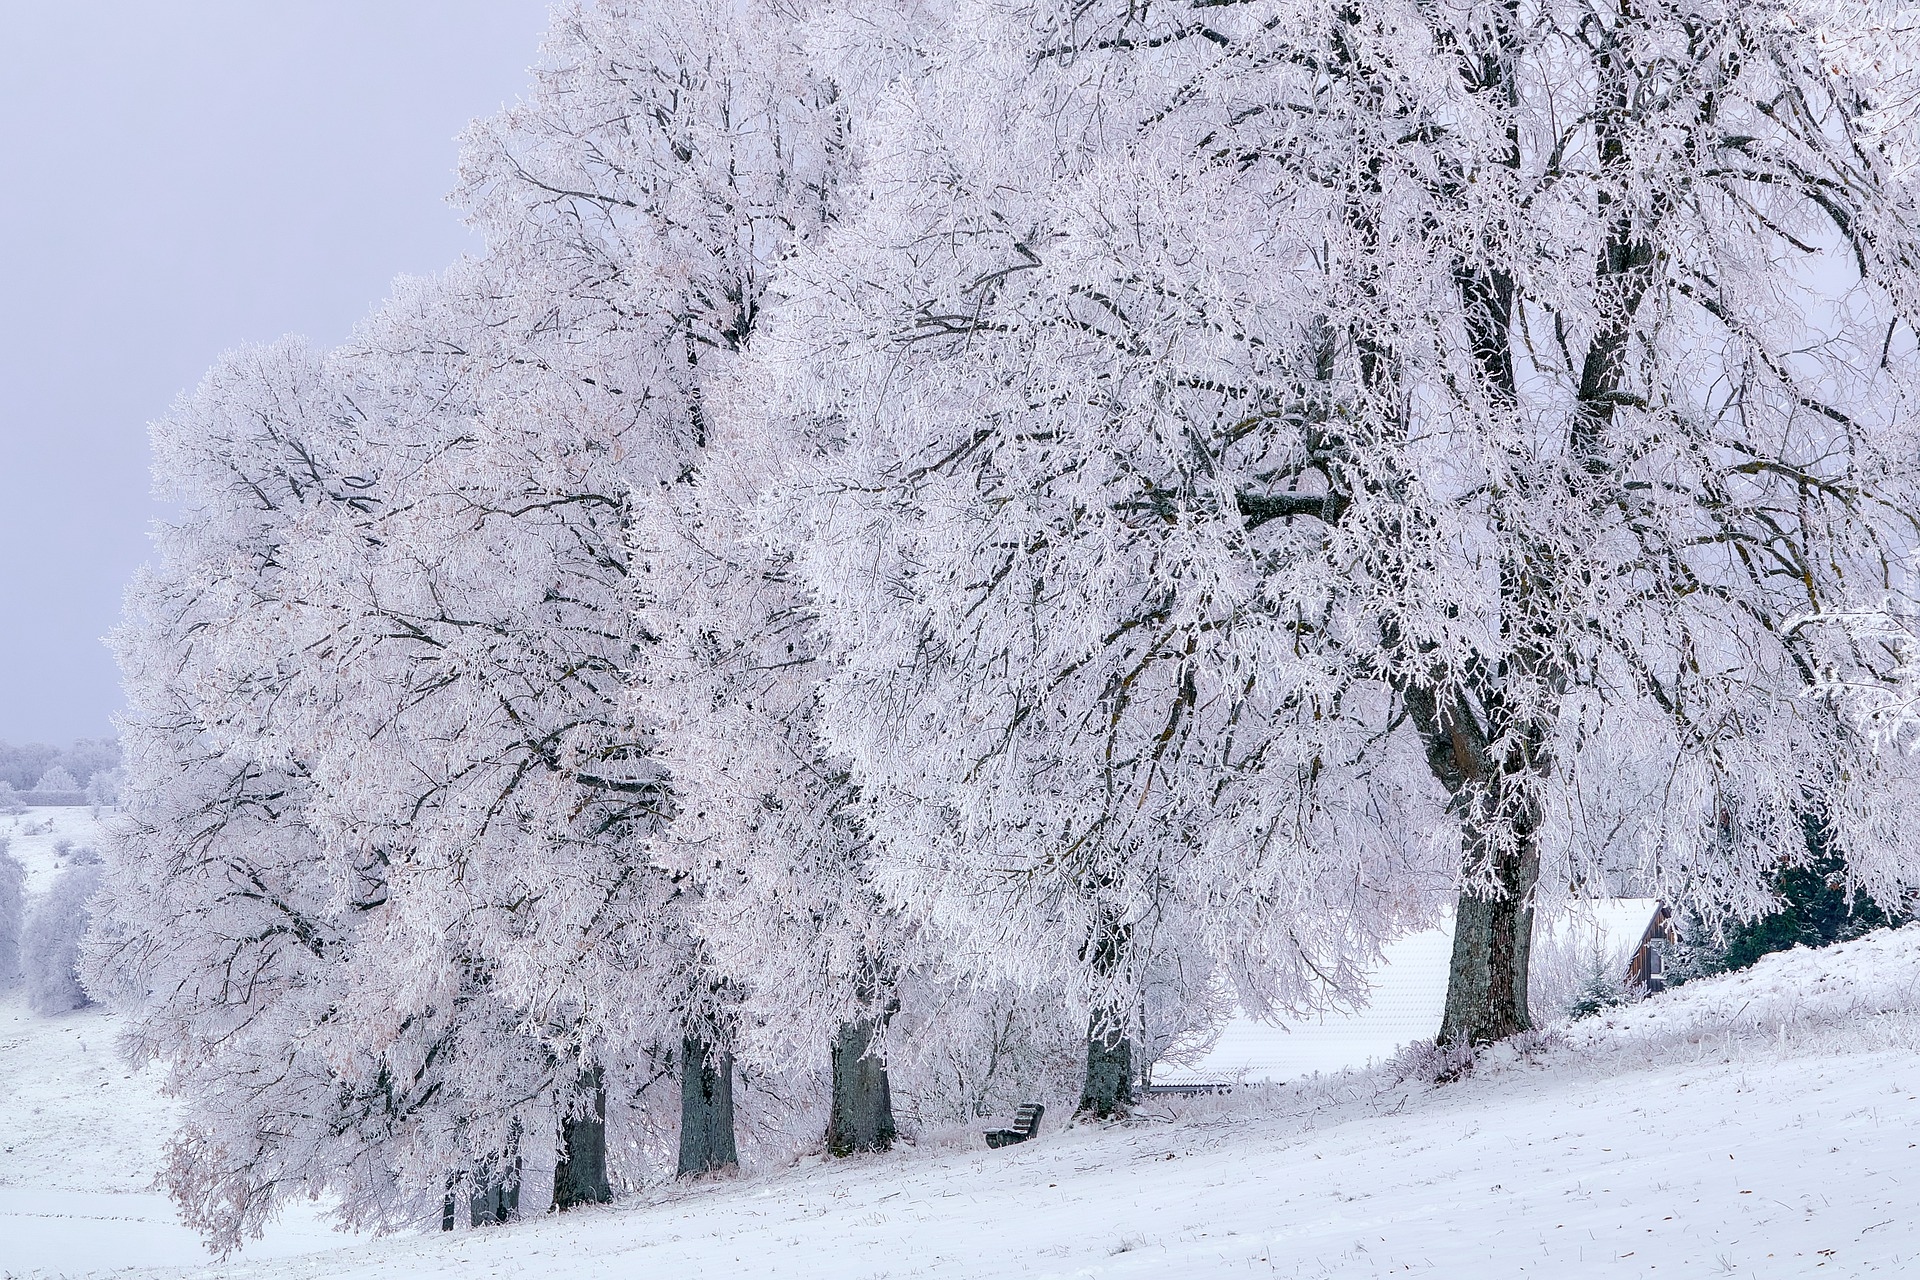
(81, 1136)
(1759, 1124)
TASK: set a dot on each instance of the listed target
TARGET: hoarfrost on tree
(1279, 460)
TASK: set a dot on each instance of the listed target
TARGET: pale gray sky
(178, 177)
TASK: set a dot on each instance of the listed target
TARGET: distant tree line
(23, 766)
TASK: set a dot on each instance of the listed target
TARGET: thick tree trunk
(581, 1177)
(1492, 943)
(1492, 932)
(1108, 1090)
(862, 1115)
(498, 1201)
(706, 1109)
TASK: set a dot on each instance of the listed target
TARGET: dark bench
(1185, 1090)
(1026, 1122)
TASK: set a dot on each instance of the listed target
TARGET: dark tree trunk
(1487, 980)
(862, 1115)
(496, 1195)
(581, 1177)
(1492, 944)
(497, 1201)
(1108, 1090)
(1492, 933)
(706, 1109)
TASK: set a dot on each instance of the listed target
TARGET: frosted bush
(1575, 971)
(13, 880)
(103, 788)
(50, 944)
(1428, 1062)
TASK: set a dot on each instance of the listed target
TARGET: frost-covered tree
(765, 820)
(88, 757)
(56, 779)
(103, 788)
(13, 905)
(22, 765)
(634, 207)
(379, 736)
(50, 942)
(1278, 457)
(1015, 668)
(255, 945)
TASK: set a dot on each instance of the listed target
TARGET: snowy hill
(1760, 1124)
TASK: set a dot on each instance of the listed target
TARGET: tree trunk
(862, 1115)
(706, 1109)
(581, 1177)
(1492, 942)
(498, 1201)
(1492, 933)
(1108, 1090)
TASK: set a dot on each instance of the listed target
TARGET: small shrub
(1600, 988)
(1428, 1062)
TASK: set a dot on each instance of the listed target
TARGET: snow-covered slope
(81, 1137)
(1763, 1124)
(1408, 994)
(46, 841)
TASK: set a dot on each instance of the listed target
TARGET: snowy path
(1764, 1124)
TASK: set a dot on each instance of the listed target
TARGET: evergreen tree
(1601, 987)
(1818, 907)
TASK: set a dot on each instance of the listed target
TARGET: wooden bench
(1026, 1123)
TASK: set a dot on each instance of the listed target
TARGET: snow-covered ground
(81, 1136)
(46, 841)
(1761, 1124)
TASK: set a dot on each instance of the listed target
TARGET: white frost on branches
(966, 521)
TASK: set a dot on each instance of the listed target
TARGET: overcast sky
(178, 177)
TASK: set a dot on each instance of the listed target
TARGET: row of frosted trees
(941, 535)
